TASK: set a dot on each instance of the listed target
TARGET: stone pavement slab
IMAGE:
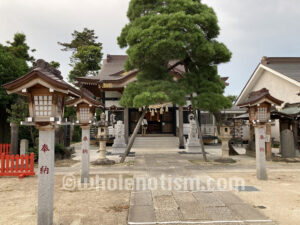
(141, 214)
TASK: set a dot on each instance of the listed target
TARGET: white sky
(250, 29)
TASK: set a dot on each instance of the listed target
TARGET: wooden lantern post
(85, 108)
(259, 105)
(46, 92)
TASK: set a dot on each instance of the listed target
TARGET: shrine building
(109, 85)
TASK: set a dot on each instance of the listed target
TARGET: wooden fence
(15, 165)
(5, 149)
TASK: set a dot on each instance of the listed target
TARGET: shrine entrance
(157, 124)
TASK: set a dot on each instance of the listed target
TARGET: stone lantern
(46, 92)
(85, 108)
(103, 136)
(259, 105)
(225, 137)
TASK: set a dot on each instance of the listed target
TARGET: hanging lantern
(167, 109)
(152, 112)
(161, 110)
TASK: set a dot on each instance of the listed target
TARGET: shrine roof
(85, 96)
(113, 71)
(42, 69)
(291, 109)
(256, 96)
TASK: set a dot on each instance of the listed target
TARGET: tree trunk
(200, 135)
(180, 133)
(132, 138)
(14, 137)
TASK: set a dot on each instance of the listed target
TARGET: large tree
(160, 31)
(14, 59)
(86, 53)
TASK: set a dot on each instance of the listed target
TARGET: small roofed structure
(85, 107)
(46, 91)
(259, 104)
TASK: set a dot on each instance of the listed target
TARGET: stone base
(194, 149)
(225, 160)
(103, 162)
(118, 150)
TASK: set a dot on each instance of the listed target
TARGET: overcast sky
(250, 29)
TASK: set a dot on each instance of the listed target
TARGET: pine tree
(86, 53)
(160, 31)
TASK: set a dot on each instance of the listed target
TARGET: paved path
(158, 157)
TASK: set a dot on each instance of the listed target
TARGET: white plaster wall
(278, 87)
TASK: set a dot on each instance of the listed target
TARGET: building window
(84, 114)
(43, 105)
(262, 114)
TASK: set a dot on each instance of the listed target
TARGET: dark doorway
(157, 124)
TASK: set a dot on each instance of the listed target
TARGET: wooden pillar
(180, 132)
(126, 124)
(268, 144)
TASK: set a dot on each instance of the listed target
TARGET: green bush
(61, 152)
(77, 134)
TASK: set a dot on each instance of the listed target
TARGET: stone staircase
(155, 144)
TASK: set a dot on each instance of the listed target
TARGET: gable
(279, 85)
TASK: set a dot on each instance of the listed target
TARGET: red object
(45, 148)
(11, 165)
(5, 149)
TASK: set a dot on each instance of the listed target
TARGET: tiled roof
(288, 66)
(113, 70)
(44, 70)
(256, 96)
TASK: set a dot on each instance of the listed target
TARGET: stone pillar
(119, 145)
(260, 135)
(23, 147)
(287, 144)
(268, 144)
(46, 175)
(126, 124)
(180, 133)
(85, 154)
(102, 150)
(14, 134)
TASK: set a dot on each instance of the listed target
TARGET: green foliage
(13, 64)
(98, 113)
(19, 111)
(19, 48)
(86, 53)
(55, 64)
(77, 134)
(232, 98)
(11, 68)
(88, 60)
(161, 31)
(152, 92)
(69, 112)
(84, 38)
(206, 89)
